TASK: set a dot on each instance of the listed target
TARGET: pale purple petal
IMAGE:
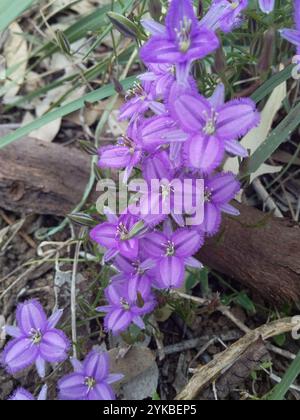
(31, 316)
(43, 393)
(291, 35)
(224, 187)
(191, 111)
(218, 97)
(104, 234)
(267, 6)
(138, 321)
(72, 387)
(229, 209)
(204, 152)
(114, 157)
(153, 244)
(171, 272)
(114, 377)
(101, 392)
(21, 395)
(19, 354)
(13, 331)
(193, 263)
(153, 27)
(40, 365)
(234, 147)
(77, 365)
(118, 321)
(96, 365)
(55, 318)
(187, 242)
(54, 346)
(236, 118)
(160, 49)
(212, 219)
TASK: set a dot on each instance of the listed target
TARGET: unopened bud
(63, 42)
(124, 25)
(155, 9)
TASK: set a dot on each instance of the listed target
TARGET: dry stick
(23, 235)
(210, 372)
(32, 268)
(73, 293)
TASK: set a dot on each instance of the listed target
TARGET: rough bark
(260, 251)
(256, 249)
(40, 177)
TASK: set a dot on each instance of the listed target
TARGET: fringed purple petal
(72, 388)
(118, 321)
(153, 244)
(212, 219)
(54, 319)
(187, 242)
(40, 365)
(31, 316)
(236, 118)
(204, 152)
(101, 392)
(224, 187)
(267, 6)
(234, 147)
(189, 110)
(19, 354)
(54, 346)
(13, 331)
(105, 235)
(96, 365)
(21, 395)
(160, 49)
(171, 272)
(115, 157)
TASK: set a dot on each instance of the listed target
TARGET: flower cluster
(293, 35)
(37, 341)
(174, 132)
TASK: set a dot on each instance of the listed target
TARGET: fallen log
(256, 249)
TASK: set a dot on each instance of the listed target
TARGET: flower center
(234, 4)
(125, 141)
(36, 336)
(90, 383)
(184, 34)
(136, 90)
(207, 195)
(125, 304)
(170, 249)
(122, 232)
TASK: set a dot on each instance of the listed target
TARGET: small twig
(210, 372)
(266, 198)
(73, 292)
(23, 235)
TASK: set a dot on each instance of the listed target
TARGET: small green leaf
(245, 302)
(280, 340)
(124, 25)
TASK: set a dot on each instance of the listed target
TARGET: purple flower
(127, 153)
(115, 236)
(162, 76)
(172, 251)
(140, 99)
(159, 130)
(181, 42)
(158, 166)
(267, 6)
(128, 270)
(293, 35)
(128, 302)
(36, 339)
(90, 381)
(220, 189)
(22, 395)
(224, 15)
(214, 127)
